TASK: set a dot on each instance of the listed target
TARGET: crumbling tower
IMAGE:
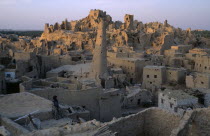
(66, 25)
(46, 28)
(99, 67)
(95, 14)
(166, 23)
(56, 26)
(128, 19)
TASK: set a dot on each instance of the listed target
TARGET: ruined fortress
(111, 78)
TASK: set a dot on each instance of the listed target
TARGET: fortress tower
(128, 19)
(99, 67)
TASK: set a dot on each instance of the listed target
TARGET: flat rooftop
(154, 67)
(200, 49)
(181, 45)
(176, 69)
(201, 90)
(178, 94)
(199, 74)
(20, 104)
(132, 59)
(76, 69)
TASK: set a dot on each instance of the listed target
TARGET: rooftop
(175, 69)
(20, 104)
(76, 69)
(154, 67)
(200, 74)
(180, 46)
(201, 90)
(177, 94)
(132, 59)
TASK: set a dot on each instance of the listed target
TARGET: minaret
(99, 67)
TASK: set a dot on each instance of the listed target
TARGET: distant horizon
(8, 29)
(33, 14)
(21, 29)
(5, 29)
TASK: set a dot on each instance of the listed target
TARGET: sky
(33, 14)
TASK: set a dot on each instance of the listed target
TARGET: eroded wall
(151, 122)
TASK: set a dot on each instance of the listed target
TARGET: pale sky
(33, 14)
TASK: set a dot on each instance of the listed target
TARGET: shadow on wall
(12, 87)
(151, 122)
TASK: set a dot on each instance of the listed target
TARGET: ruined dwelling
(176, 101)
(101, 71)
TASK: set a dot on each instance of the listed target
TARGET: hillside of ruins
(99, 77)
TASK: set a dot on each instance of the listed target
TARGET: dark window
(201, 99)
(155, 76)
(162, 101)
(30, 69)
(171, 105)
(14, 61)
(139, 101)
(175, 109)
(103, 83)
(2, 84)
(147, 76)
(131, 80)
(202, 82)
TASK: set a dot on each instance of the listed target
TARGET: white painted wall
(12, 75)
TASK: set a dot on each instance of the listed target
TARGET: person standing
(56, 107)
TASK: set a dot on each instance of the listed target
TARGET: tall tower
(128, 19)
(99, 67)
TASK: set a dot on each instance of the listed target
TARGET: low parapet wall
(14, 128)
(41, 115)
(26, 85)
(150, 122)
